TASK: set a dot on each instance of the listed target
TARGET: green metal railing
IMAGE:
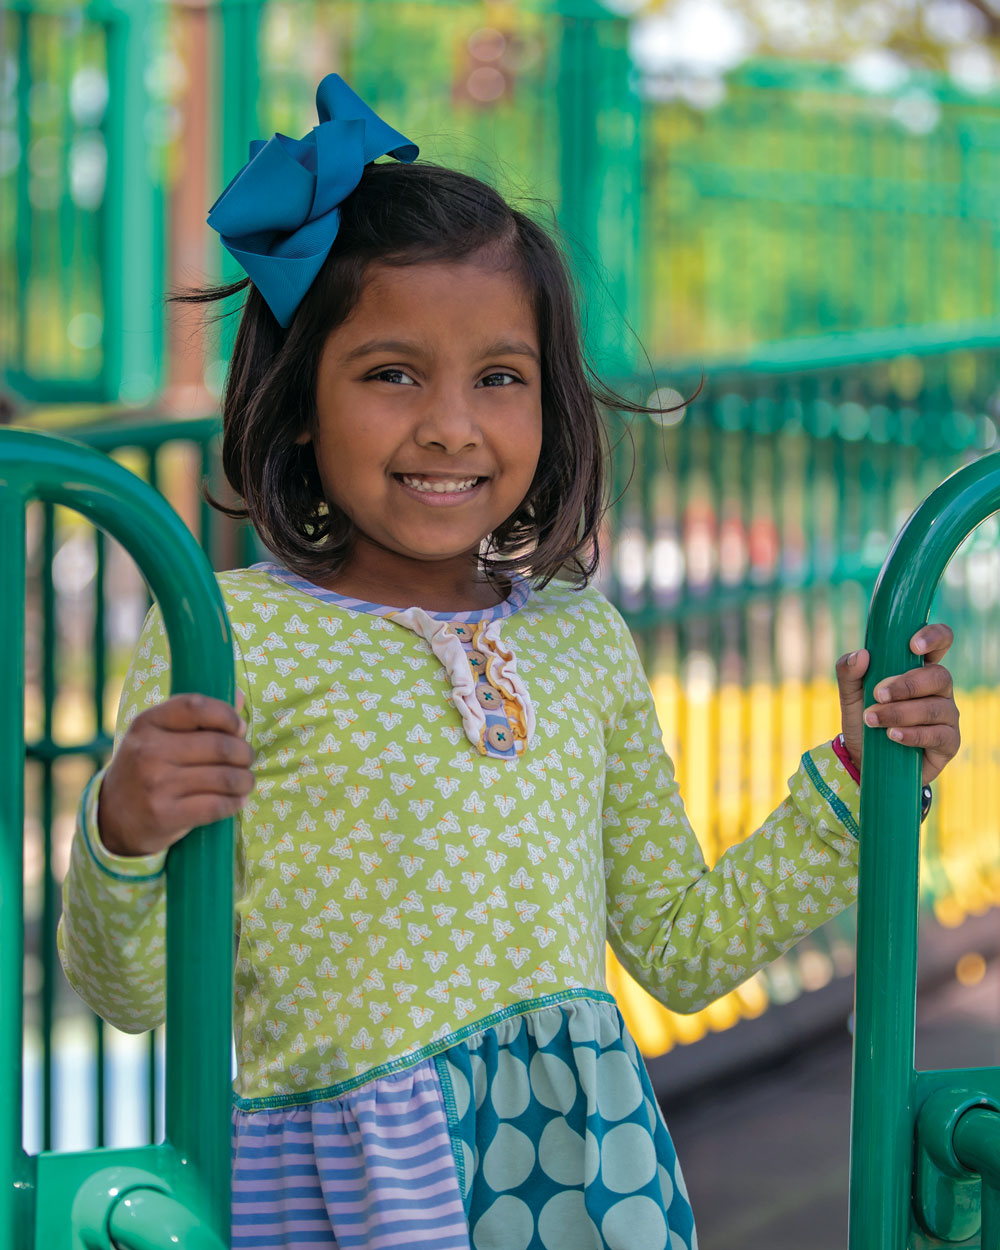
(795, 202)
(176, 1192)
(743, 553)
(940, 1130)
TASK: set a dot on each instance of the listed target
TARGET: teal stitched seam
(451, 1112)
(129, 877)
(840, 808)
(426, 1052)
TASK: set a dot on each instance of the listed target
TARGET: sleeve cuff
(120, 867)
(833, 790)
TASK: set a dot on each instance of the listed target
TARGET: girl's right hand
(183, 763)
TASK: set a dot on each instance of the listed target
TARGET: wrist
(109, 837)
(846, 758)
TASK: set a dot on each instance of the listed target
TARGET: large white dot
(509, 1158)
(666, 1185)
(628, 1160)
(553, 1083)
(564, 1224)
(506, 1225)
(592, 1159)
(618, 1088)
(480, 1080)
(561, 1153)
(545, 1025)
(635, 1222)
(510, 1091)
(677, 1242)
(470, 1168)
(460, 1088)
(679, 1179)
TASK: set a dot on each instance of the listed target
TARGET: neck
(382, 576)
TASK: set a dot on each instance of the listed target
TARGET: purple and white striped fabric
(371, 1170)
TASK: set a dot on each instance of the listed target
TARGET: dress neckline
(519, 592)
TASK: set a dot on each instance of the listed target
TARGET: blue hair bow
(280, 215)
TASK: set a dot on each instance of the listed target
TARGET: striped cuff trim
(99, 853)
(836, 804)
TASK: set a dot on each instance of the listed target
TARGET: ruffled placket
(496, 709)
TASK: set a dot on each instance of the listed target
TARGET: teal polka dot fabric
(557, 1138)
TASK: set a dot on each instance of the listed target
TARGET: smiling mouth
(439, 485)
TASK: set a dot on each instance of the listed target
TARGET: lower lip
(442, 499)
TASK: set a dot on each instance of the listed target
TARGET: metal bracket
(946, 1196)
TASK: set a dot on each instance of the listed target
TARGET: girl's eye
(499, 379)
(395, 376)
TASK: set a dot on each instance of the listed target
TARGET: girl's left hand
(916, 708)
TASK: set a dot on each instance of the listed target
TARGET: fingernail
(882, 694)
(871, 718)
(852, 658)
(896, 735)
(920, 645)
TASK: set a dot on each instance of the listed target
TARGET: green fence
(793, 202)
(800, 204)
(743, 553)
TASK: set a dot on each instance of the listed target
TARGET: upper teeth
(439, 487)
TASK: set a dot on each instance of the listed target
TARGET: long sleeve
(687, 933)
(111, 937)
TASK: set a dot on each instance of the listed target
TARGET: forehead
(449, 294)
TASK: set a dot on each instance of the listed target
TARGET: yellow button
(488, 697)
(499, 737)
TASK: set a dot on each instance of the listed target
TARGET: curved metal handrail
(885, 1083)
(36, 466)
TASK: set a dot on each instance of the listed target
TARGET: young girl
(449, 782)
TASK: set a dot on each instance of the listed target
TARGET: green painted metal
(886, 1088)
(132, 273)
(36, 466)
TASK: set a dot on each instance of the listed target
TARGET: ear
(303, 438)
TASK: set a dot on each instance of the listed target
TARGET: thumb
(851, 670)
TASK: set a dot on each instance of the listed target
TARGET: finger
(184, 712)
(913, 712)
(204, 809)
(932, 642)
(851, 670)
(203, 746)
(191, 782)
(942, 740)
(918, 683)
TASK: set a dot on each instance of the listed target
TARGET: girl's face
(429, 413)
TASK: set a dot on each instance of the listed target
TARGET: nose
(448, 423)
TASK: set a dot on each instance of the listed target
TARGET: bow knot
(280, 215)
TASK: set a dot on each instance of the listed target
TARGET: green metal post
(600, 173)
(194, 1161)
(885, 1083)
(17, 1189)
(132, 274)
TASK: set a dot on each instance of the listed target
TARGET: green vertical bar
(883, 1096)
(99, 670)
(16, 1170)
(600, 171)
(47, 928)
(24, 215)
(130, 268)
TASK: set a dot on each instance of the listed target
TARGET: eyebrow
(407, 347)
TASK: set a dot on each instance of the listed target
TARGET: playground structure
(175, 1192)
(826, 254)
(154, 1195)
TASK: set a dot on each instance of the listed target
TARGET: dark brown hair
(404, 215)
